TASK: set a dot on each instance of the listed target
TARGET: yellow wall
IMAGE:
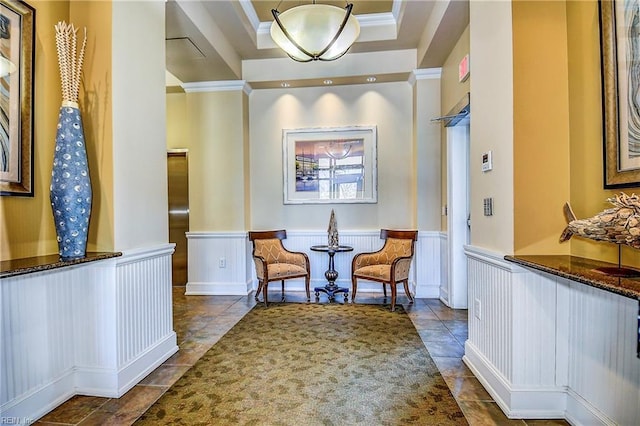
(490, 37)
(588, 196)
(177, 130)
(387, 106)
(246, 160)
(96, 107)
(452, 89)
(556, 124)
(27, 223)
(217, 183)
(541, 126)
(427, 183)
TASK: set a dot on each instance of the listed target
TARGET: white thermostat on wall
(486, 161)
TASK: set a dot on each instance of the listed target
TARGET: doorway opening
(453, 292)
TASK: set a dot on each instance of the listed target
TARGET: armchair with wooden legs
(274, 262)
(389, 265)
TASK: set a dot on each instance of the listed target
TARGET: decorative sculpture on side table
(333, 230)
(333, 247)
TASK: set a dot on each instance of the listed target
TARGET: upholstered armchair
(275, 263)
(389, 265)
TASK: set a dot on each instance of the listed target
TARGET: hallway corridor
(200, 321)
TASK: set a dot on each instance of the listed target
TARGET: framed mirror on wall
(620, 50)
(17, 35)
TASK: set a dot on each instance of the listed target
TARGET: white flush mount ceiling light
(315, 32)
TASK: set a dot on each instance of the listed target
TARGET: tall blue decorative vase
(70, 184)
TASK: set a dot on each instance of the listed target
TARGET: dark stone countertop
(28, 265)
(584, 271)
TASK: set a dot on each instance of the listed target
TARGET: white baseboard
(581, 412)
(138, 369)
(90, 382)
(542, 403)
(40, 400)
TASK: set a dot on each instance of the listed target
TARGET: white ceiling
(220, 40)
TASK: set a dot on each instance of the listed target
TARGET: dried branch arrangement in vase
(69, 61)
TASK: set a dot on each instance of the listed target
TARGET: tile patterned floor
(200, 321)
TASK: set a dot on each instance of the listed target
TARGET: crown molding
(373, 27)
(425, 74)
(217, 86)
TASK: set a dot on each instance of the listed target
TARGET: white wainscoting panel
(78, 330)
(428, 260)
(205, 274)
(489, 348)
(144, 310)
(547, 347)
(604, 371)
(238, 277)
(37, 324)
(534, 328)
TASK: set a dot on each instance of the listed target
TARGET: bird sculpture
(619, 224)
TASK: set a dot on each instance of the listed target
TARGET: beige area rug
(312, 364)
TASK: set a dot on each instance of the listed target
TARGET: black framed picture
(620, 48)
(17, 35)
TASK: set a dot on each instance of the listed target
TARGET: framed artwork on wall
(330, 165)
(17, 35)
(620, 50)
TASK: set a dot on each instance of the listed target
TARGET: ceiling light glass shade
(315, 31)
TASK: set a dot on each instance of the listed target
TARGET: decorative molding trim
(215, 86)
(216, 235)
(424, 74)
(145, 253)
(396, 8)
(492, 257)
(250, 13)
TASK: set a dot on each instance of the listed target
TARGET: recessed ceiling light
(371, 79)
(284, 84)
(328, 82)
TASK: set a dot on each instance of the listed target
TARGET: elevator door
(178, 181)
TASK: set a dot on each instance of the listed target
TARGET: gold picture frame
(620, 50)
(17, 35)
(330, 165)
